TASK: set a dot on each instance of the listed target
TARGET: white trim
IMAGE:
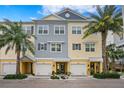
(42, 26)
(8, 59)
(61, 18)
(76, 29)
(29, 25)
(55, 51)
(41, 43)
(94, 59)
(55, 41)
(44, 58)
(59, 29)
(90, 47)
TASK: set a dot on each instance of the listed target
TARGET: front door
(27, 68)
(61, 67)
(94, 67)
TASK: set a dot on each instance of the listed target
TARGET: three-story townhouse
(59, 47)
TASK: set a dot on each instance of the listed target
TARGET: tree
(14, 38)
(107, 18)
(114, 53)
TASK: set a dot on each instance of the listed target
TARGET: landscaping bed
(108, 75)
(56, 75)
(15, 76)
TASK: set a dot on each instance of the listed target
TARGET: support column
(95, 67)
(88, 68)
(68, 66)
(101, 67)
(21, 68)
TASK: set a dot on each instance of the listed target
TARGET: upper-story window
(90, 47)
(76, 30)
(28, 29)
(59, 30)
(76, 46)
(43, 29)
(56, 47)
(42, 46)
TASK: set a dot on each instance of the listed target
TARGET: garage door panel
(78, 69)
(43, 69)
(9, 69)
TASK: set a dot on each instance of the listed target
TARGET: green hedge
(15, 76)
(54, 77)
(112, 75)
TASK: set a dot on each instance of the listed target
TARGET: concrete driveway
(39, 83)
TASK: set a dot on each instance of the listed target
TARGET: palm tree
(14, 38)
(114, 53)
(107, 18)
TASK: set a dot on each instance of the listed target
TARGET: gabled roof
(27, 59)
(57, 15)
(72, 11)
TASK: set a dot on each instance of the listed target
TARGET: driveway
(40, 83)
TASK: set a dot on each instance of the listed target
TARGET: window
(76, 46)
(59, 30)
(28, 29)
(55, 47)
(43, 29)
(76, 30)
(42, 46)
(90, 47)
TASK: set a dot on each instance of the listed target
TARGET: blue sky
(29, 12)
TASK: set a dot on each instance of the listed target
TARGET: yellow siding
(72, 38)
(11, 53)
(52, 17)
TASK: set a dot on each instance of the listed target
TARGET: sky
(30, 12)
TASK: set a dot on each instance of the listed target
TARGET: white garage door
(43, 69)
(9, 69)
(78, 69)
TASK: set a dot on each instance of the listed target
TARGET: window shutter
(32, 29)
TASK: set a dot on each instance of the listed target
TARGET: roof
(74, 12)
(70, 10)
(27, 59)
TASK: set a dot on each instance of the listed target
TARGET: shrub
(63, 77)
(112, 75)
(53, 73)
(68, 73)
(15, 76)
(54, 77)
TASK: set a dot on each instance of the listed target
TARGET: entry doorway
(61, 67)
(27, 68)
(94, 67)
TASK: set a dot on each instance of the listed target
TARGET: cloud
(49, 9)
(33, 18)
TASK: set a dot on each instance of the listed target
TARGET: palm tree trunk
(18, 63)
(104, 36)
(113, 64)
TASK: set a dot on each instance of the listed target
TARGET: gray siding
(72, 16)
(51, 37)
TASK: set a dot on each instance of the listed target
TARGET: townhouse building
(59, 47)
(119, 40)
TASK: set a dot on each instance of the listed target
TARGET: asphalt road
(39, 83)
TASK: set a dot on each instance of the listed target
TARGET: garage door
(9, 69)
(78, 69)
(43, 69)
